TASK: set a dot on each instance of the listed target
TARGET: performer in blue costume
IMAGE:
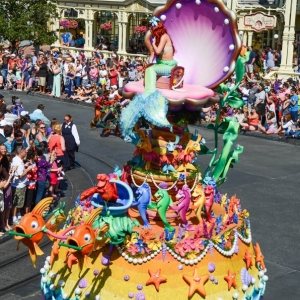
(151, 104)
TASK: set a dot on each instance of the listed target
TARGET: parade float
(158, 228)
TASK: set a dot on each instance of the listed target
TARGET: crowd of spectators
(270, 106)
(57, 73)
(34, 154)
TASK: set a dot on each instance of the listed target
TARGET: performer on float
(151, 104)
(163, 51)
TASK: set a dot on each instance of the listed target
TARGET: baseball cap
(113, 55)
(13, 55)
(88, 85)
(6, 51)
(18, 100)
(280, 78)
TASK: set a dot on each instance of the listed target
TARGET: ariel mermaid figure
(151, 104)
(161, 47)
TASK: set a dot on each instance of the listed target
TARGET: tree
(28, 20)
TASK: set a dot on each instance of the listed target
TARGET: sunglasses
(42, 127)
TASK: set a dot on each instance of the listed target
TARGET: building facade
(260, 22)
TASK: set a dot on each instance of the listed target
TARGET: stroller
(11, 82)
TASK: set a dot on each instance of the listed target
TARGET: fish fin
(32, 254)
(42, 205)
(37, 249)
(93, 216)
(88, 263)
(18, 245)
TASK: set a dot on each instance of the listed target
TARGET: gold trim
(233, 23)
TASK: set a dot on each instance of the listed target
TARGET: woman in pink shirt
(57, 144)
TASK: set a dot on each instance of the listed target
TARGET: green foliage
(28, 20)
(239, 68)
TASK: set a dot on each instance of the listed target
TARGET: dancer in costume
(152, 105)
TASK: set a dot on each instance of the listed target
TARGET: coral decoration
(259, 258)
(140, 29)
(147, 234)
(196, 283)
(106, 26)
(155, 279)
(246, 277)
(230, 278)
(248, 259)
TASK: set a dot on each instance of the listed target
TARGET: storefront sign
(259, 21)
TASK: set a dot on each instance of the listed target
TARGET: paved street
(266, 180)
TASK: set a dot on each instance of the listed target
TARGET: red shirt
(113, 77)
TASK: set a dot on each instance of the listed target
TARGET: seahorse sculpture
(185, 157)
(184, 197)
(144, 148)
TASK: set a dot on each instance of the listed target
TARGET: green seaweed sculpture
(229, 127)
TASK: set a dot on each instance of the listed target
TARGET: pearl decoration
(163, 17)
(145, 259)
(191, 262)
(265, 278)
(261, 286)
(46, 267)
(44, 279)
(198, 2)
(182, 260)
(65, 296)
(148, 257)
(48, 259)
(180, 267)
(123, 254)
(135, 261)
(178, 5)
(78, 291)
(61, 283)
(226, 69)
(152, 255)
(253, 280)
(97, 297)
(126, 257)
(276, 36)
(226, 21)
(261, 273)
(140, 261)
(52, 287)
(130, 259)
(236, 295)
(42, 270)
(216, 9)
(186, 261)
(51, 275)
(245, 287)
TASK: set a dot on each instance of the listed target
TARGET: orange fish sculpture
(84, 241)
(31, 229)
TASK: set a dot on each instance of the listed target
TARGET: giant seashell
(140, 296)
(246, 277)
(83, 283)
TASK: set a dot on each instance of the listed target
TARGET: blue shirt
(294, 107)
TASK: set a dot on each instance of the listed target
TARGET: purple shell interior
(201, 40)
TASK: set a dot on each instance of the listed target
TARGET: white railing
(106, 54)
